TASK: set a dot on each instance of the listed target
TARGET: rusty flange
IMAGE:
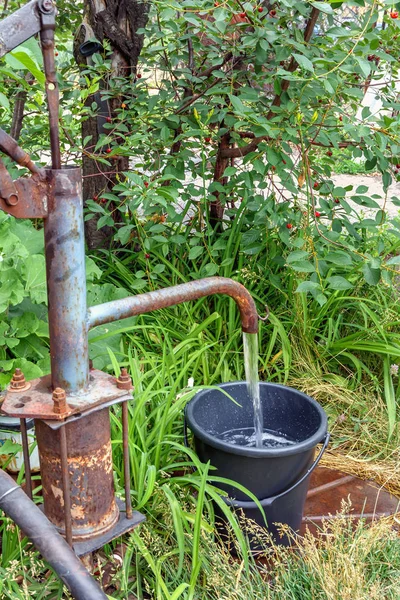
(38, 401)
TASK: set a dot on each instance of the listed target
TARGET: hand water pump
(71, 405)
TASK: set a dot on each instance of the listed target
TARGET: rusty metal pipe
(10, 147)
(27, 462)
(66, 281)
(48, 25)
(143, 303)
(54, 549)
(66, 486)
(127, 467)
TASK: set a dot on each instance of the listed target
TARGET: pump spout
(144, 303)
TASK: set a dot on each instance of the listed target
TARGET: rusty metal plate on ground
(123, 525)
(37, 402)
(329, 487)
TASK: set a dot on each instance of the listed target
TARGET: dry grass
(347, 561)
(358, 424)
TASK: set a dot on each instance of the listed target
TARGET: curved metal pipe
(54, 549)
(143, 303)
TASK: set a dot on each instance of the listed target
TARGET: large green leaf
(35, 273)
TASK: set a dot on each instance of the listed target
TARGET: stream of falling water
(250, 343)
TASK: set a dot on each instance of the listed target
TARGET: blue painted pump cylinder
(66, 280)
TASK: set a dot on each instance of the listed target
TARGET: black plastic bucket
(277, 476)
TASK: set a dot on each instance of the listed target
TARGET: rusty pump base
(71, 406)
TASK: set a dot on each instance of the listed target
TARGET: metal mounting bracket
(37, 401)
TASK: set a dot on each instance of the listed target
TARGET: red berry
(337, 201)
(108, 119)
(147, 256)
(397, 166)
(216, 4)
(394, 14)
(317, 214)
(146, 184)
(272, 13)
(316, 185)
(95, 198)
(284, 162)
(242, 15)
(329, 153)
(207, 139)
(56, 53)
(273, 168)
(260, 9)
(289, 226)
(139, 76)
(340, 118)
(103, 200)
(108, 150)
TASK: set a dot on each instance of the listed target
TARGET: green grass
(176, 554)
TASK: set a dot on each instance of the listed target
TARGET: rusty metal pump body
(71, 406)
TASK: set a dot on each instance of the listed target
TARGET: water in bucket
(246, 437)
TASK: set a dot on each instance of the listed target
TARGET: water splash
(246, 437)
(250, 344)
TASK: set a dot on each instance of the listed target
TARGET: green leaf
(195, 252)
(395, 260)
(303, 266)
(35, 272)
(339, 283)
(23, 58)
(11, 289)
(365, 66)
(24, 325)
(237, 104)
(296, 256)
(304, 62)
(323, 7)
(8, 446)
(339, 258)
(4, 101)
(92, 270)
(307, 286)
(372, 276)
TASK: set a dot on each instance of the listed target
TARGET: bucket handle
(268, 501)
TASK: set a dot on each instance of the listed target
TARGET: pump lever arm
(10, 147)
(27, 197)
(19, 27)
(38, 16)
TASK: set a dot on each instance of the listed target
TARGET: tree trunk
(117, 21)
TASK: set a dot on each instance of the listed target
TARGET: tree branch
(293, 63)
(239, 152)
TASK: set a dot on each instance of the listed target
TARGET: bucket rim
(253, 452)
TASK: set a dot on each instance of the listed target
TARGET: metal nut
(124, 381)
(18, 382)
(60, 401)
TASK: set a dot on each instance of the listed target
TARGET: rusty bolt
(124, 381)
(18, 382)
(60, 401)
